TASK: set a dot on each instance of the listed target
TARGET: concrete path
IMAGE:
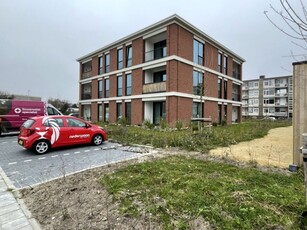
(14, 215)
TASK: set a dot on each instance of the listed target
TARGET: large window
(197, 110)
(198, 53)
(219, 62)
(128, 84)
(225, 65)
(128, 56)
(87, 67)
(159, 76)
(106, 112)
(160, 49)
(107, 63)
(225, 89)
(100, 89)
(219, 90)
(99, 112)
(100, 61)
(198, 83)
(120, 58)
(236, 70)
(119, 86)
(128, 112)
(119, 110)
(106, 88)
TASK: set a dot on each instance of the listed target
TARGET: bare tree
(295, 20)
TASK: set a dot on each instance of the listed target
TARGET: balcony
(86, 75)
(155, 54)
(154, 87)
(86, 96)
(236, 97)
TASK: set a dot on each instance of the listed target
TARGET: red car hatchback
(45, 132)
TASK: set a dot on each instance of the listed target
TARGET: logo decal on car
(55, 129)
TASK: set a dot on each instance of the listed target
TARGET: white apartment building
(265, 97)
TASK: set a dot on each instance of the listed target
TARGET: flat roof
(167, 21)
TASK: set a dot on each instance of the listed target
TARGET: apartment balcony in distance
(86, 75)
(155, 54)
(154, 87)
(86, 96)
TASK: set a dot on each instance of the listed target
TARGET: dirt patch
(275, 149)
(79, 201)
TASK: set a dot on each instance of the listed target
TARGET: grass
(193, 141)
(177, 190)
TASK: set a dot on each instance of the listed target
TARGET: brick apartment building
(268, 97)
(168, 70)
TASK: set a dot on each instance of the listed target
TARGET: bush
(147, 123)
(179, 125)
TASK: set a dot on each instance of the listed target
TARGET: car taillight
(28, 132)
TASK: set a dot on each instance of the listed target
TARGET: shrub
(147, 123)
(179, 125)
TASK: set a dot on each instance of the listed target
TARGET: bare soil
(79, 201)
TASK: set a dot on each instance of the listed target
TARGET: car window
(71, 122)
(28, 123)
(52, 121)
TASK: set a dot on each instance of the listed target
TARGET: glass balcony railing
(155, 54)
(86, 96)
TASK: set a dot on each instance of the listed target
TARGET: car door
(79, 132)
(57, 132)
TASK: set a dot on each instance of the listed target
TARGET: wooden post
(304, 152)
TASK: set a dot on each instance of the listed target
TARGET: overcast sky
(40, 40)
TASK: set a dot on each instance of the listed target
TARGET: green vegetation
(174, 191)
(203, 141)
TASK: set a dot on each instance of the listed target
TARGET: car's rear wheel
(97, 139)
(41, 146)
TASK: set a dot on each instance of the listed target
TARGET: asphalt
(14, 214)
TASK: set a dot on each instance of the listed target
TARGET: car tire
(97, 139)
(41, 147)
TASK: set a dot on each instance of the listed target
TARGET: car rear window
(28, 123)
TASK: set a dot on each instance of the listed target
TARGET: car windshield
(28, 123)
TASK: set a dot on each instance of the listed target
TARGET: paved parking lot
(24, 168)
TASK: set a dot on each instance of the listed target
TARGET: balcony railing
(236, 97)
(154, 87)
(155, 54)
(86, 75)
(86, 96)
(236, 75)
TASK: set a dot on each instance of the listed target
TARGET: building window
(160, 49)
(128, 112)
(159, 76)
(225, 112)
(119, 86)
(219, 115)
(198, 54)
(120, 58)
(107, 63)
(128, 84)
(129, 56)
(225, 65)
(225, 89)
(197, 110)
(159, 112)
(106, 88)
(86, 91)
(106, 112)
(87, 67)
(99, 112)
(100, 89)
(236, 70)
(198, 83)
(219, 62)
(219, 85)
(118, 111)
(100, 61)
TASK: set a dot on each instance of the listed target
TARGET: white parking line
(96, 149)
(42, 158)
(55, 156)
(86, 151)
(66, 154)
(5, 142)
(27, 160)
(12, 163)
(76, 152)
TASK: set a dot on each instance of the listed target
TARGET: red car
(45, 132)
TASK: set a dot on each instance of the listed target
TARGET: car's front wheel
(97, 139)
(41, 147)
